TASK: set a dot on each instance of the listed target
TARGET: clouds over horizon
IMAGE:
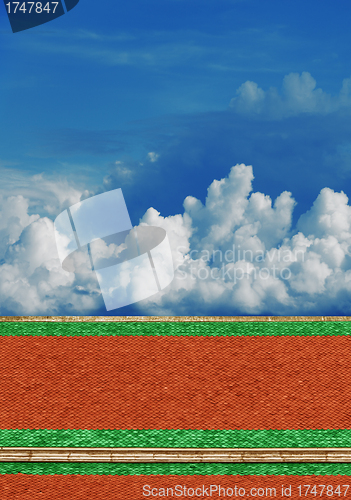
(237, 253)
(160, 99)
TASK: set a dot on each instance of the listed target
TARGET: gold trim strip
(174, 318)
(175, 455)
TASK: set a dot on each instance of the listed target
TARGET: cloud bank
(235, 254)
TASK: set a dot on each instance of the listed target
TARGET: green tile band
(175, 329)
(330, 469)
(177, 438)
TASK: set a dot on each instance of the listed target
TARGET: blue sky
(87, 97)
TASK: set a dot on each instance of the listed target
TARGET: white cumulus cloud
(239, 254)
(299, 94)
